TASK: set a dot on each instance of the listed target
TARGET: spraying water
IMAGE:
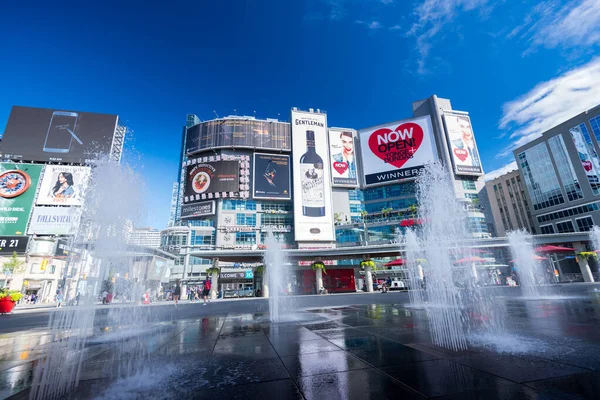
(276, 269)
(529, 270)
(595, 236)
(414, 259)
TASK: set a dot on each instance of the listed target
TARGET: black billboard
(239, 133)
(198, 209)
(64, 249)
(211, 177)
(271, 177)
(10, 244)
(42, 134)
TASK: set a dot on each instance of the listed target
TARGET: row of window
(468, 184)
(402, 189)
(242, 238)
(583, 225)
(394, 204)
(252, 205)
(569, 212)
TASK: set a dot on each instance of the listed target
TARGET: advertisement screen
(54, 220)
(588, 157)
(63, 185)
(396, 151)
(343, 157)
(313, 217)
(210, 177)
(198, 209)
(41, 134)
(18, 183)
(241, 133)
(9, 244)
(463, 149)
(271, 177)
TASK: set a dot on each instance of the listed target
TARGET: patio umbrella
(470, 259)
(535, 257)
(394, 263)
(552, 249)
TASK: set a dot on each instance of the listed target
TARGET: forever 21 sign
(8, 244)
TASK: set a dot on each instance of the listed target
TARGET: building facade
(509, 204)
(561, 172)
(147, 237)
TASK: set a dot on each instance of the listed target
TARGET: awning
(394, 263)
(553, 249)
(535, 257)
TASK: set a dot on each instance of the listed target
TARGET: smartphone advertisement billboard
(313, 215)
(50, 135)
(18, 183)
(210, 177)
(63, 185)
(54, 220)
(272, 178)
(343, 157)
(397, 151)
(463, 149)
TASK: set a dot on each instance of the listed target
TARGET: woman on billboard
(63, 189)
(347, 153)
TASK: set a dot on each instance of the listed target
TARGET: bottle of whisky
(312, 180)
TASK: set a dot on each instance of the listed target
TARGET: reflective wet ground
(328, 352)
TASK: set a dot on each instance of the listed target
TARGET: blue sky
(518, 68)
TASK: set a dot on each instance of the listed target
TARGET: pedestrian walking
(59, 298)
(176, 292)
(206, 291)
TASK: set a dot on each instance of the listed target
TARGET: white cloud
(500, 171)
(395, 28)
(387, 1)
(374, 25)
(551, 103)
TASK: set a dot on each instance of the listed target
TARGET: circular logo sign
(13, 183)
(201, 182)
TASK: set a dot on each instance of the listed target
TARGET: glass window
(585, 224)
(403, 189)
(540, 178)
(587, 155)
(547, 229)
(281, 237)
(276, 219)
(595, 123)
(280, 206)
(565, 227)
(356, 208)
(468, 184)
(565, 168)
(356, 195)
(348, 235)
(373, 208)
(245, 238)
(241, 205)
(472, 196)
(245, 219)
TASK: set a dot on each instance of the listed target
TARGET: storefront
(237, 284)
(334, 280)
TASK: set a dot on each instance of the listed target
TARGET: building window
(239, 205)
(245, 219)
(569, 212)
(356, 208)
(565, 227)
(403, 189)
(565, 168)
(245, 238)
(547, 229)
(587, 154)
(373, 208)
(275, 219)
(348, 235)
(356, 195)
(595, 123)
(280, 237)
(202, 240)
(285, 207)
(472, 196)
(468, 184)
(585, 224)
(540, 178)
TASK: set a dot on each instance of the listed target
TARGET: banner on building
(463, 149)
(42, 134)
(54, 220)
(63, 185)
(203, 178)
(587, 155)
(313, 216)
(397, 151)
(18, 183)
(272, 177)
(198, 209)
(10, 244)
(344, 171)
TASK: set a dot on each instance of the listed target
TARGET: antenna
(216, 113)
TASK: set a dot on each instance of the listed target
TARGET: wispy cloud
(550, 103)
(387, 1)
(395, 28)
(375, 25)
(500, 171)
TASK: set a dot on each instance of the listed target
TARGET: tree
(385, 211)
(337, 218)
(11, 266)
(364, 214)
(413, 209)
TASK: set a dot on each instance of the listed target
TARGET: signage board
(210, 177)
(63, 185)
(18, 183)
(51, 135)
(54, 221)
(10, 244)
(313, 215)
(344, 171)
(463, 149)
(272, 177)
(196, 210)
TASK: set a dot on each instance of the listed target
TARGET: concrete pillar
(214, 288)
(369, 277)
(319, 276)
(265, 282)
(584, 266)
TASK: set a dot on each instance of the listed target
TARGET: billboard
(588, 156)
(272, 177)
(463, 149)
(396, 151)
(18, 183)
(238, 132)
(198, 209)
(9, 244)
(343, 157)
(42, 134)
(210, 177)
(313, 215)
(54, 221)
(63, 185)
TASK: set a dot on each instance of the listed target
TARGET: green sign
(18, 183)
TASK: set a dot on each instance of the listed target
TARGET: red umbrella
(470, 259)
(394, 263)
(535, 257)
(552, 249)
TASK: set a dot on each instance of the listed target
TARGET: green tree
(337, 217)
(11, 266)
(364, 214)
(413, 209)
(385, 211)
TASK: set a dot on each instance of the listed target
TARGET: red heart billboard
(398, 146)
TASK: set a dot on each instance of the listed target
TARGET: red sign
(398, 146)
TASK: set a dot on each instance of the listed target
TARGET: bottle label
(313, 193)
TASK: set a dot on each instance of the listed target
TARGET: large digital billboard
(54, 221)
(313, 216)
(240, 133)
(272, 177)
(344, 171)
(463, 149)
(18, 183)
(42, 134)
(63, 185)
(396, 151)
(210, 177)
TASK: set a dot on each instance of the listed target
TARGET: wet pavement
(327, 352)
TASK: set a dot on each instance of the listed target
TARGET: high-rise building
(561, 172)
(173, 209)
(147, 237)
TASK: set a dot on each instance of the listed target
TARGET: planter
(6, 306)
